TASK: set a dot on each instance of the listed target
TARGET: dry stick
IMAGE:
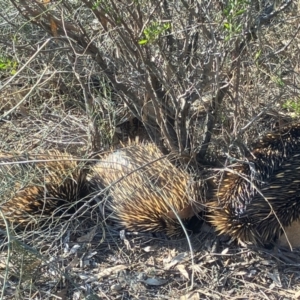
(211, 120)
(154, 97)
(26, 96)
(93, 132)
(257, 117)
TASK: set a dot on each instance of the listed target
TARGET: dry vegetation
(205, 78)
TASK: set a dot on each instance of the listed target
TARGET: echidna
(238, 185)
(37, 187)
(262, 221)
(146, 190)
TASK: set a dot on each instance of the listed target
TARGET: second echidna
(275, 209)
(35, 188)
(147, 192)
(273, 200)
(238, 184)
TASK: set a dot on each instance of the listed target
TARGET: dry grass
(137, 268)
(84, 257)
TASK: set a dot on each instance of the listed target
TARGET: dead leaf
(190, 296)
(111, 270)
(53, 27)
(225, 251)
(87, 237)
(178, 258)
(183, 271)
(155, 281)
(150, 248)
(116, 287)
(75, 262)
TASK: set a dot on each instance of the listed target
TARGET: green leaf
(227, 25)
(240, 12)
(143, 42)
